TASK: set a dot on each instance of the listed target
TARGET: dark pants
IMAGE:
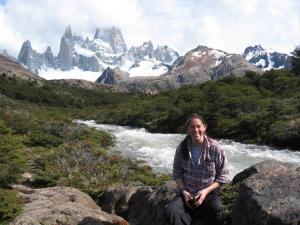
(177, 213)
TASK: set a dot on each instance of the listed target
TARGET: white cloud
(9, 38)
(230, 25)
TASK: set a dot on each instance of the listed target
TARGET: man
(199, 170)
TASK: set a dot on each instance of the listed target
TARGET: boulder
(115, 201)
(61, 205)
(141, 206)
(269, 195)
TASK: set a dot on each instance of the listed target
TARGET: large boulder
(141, 206)
(61, 206)
(269, 195)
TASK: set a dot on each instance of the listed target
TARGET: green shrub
(228, 195)
(42, 139)
(10, 206)
(3, 128)
(13, 159)
(143, 174)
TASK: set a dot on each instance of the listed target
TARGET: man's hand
(186, 196)
(200, 196)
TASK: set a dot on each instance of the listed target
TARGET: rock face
(142, 206)
(33, 60)
(61, 205)
(112, 76)
(114, 37)
(269, 194)
(267, 59)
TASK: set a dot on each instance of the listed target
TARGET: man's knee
(214, 203)
(171, 209)
(175, 209)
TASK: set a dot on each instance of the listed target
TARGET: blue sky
(228, 25)
(2, 2)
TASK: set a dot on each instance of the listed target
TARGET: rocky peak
(26, 53)
(65, 54)
(266, 59)
(112, 76)
(255, 48)
(68, 32)
(201, 48)
(113, 36)
(48, 51)
(147, 46)
(166, 54)
(140, 52)
(49, 57)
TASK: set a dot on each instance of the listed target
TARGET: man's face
(196, 130)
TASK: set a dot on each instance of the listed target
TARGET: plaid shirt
(211, 167)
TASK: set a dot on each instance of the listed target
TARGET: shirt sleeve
(177, 164)
(222, 171)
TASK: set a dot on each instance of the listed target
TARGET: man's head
(196, 127)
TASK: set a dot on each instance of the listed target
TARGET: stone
(144, 205)
(115, 201)
(268, 195)
(61, 205)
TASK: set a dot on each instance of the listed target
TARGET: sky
(228, 25)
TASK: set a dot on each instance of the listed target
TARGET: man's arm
(201, 195)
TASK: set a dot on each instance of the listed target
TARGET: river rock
(141, 206)
(269, 195)
(115, 201)
(61, 206)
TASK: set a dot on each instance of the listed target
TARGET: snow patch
(147, 68)
(199, 54)
(83, 51)
(218, 54)
(76, 73)
(261, 63)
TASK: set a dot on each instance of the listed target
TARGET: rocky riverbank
(269, 192)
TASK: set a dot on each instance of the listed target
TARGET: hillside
(11, 68)
(262, 109)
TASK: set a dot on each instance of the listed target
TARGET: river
(159, 149)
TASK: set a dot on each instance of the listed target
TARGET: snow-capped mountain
(196, 66)
(266, 59)
(106, 49)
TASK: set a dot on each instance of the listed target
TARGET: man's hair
(193, 116)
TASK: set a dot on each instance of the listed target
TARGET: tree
(295, 62)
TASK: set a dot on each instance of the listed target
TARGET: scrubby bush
(10, 206)
(38, 138)
(3, 128)
(13, 159)
(228, 195)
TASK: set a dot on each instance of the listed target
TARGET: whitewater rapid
(159, 149)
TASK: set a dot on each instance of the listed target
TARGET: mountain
(196, 66)
(33, 60)
(10, 68)
(106, 49)
(267, 59)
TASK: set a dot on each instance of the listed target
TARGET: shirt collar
(206, 143)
